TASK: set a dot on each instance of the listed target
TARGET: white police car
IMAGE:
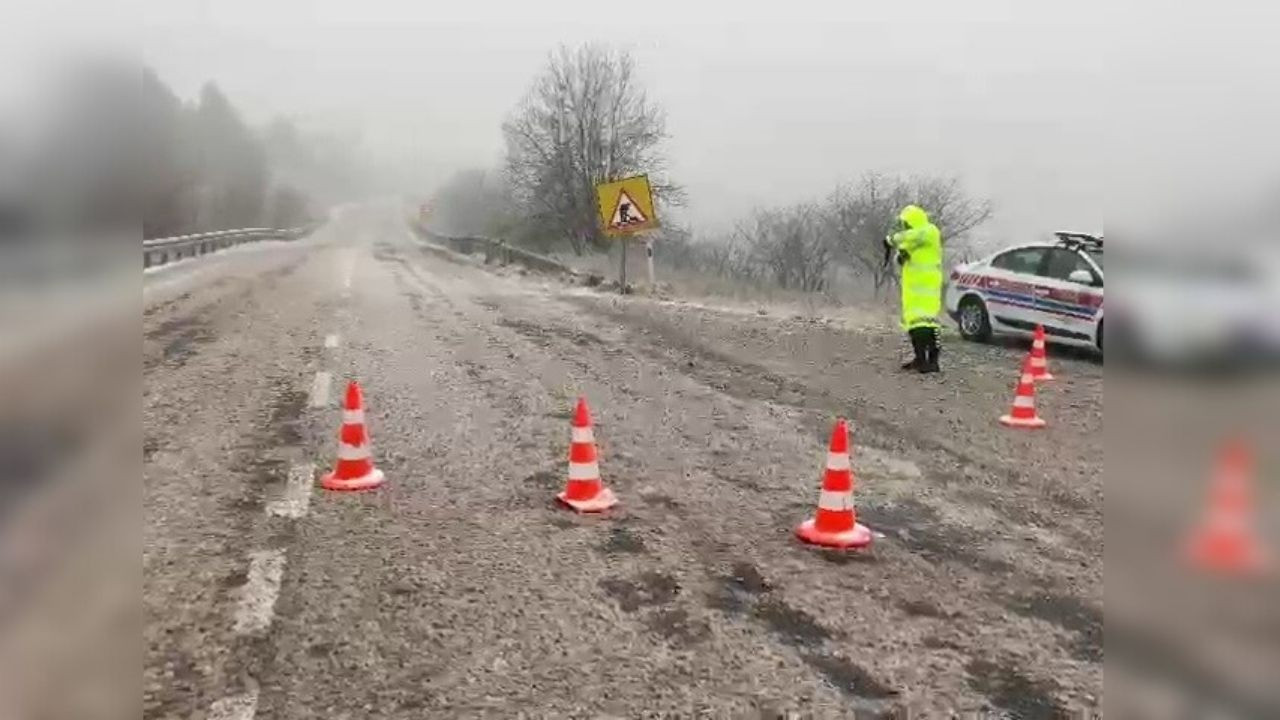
(1057, 285)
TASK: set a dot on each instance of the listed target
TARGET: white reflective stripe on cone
(837, 461)
(1028, 379)
(582, 435)
(584, 471)
(1024, 401)
(352, 452)
(836, 500)
(1227, 521)
(353, 417)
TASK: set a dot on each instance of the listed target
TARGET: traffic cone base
(1235, 554)
(858, 537)
(602, 501)
(373, 479)
(1032, 423)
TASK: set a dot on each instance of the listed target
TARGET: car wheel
(973, 320)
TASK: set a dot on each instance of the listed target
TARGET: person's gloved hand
(903, 257)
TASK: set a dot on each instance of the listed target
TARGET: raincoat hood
(913, 216)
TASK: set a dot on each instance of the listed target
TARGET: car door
(1065, 307)
(1009, 287)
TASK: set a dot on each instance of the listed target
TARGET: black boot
(918, 344)
(932, 349)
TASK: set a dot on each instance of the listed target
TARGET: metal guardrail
(159, 251)
(495, 251)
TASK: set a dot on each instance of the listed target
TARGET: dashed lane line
(320, 389)
(257, 606)
(297, 493)
(348, 263)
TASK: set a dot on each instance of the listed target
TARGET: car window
(1022, 260)
(1096, 256)
(1064, 262)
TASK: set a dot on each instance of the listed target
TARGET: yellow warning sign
(626, 206)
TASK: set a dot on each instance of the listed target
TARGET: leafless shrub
(585, 120)
(801, 247)
(792, 246)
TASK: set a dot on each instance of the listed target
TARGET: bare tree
(167, 174)
(862, 214)
(791, 246)
(234, 171)
(954, 211)
(585, 120)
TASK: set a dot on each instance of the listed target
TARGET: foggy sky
(1054, 110)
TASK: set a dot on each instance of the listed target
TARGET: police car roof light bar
(1079, 239)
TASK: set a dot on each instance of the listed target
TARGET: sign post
(626, 208)
(648, 255)
(622, 270)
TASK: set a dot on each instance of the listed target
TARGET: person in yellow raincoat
(918, 243)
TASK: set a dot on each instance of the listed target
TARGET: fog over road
(460, 589)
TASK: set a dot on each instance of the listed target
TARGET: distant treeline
(207, 169)
(100, 149)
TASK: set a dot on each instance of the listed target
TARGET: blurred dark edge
(70, 471)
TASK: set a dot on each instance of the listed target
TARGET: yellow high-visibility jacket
(922, 272)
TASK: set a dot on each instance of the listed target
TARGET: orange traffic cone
(836, 522)
(1039, 360)
(1226, 541)
(585, 492)
(1023, 414)
(354, 470)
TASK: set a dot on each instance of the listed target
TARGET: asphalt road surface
(461, 590)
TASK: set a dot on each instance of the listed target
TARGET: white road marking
(348, 266)
(320, 389)
(331, 341)
(258, 596)
(236, 707)
(297, 493)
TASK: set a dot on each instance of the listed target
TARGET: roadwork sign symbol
(626, 214)
(626, 206)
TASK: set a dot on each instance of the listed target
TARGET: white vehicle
(1057, 285)
(1198, 305)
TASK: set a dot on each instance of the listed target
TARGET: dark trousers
(925, 349)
